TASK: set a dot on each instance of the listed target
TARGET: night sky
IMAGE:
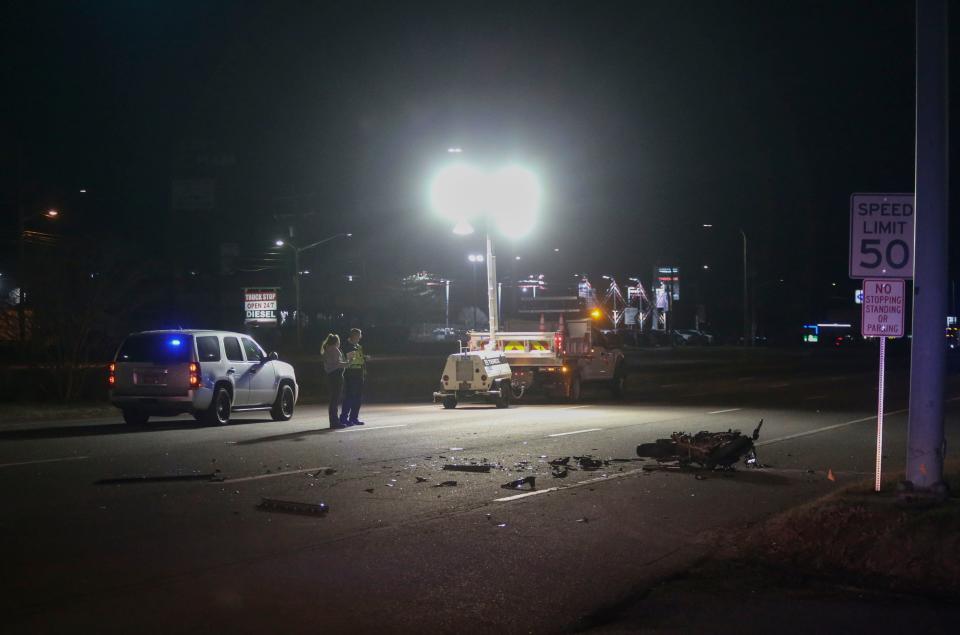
(643, 119)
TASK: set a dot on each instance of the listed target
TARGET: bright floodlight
(514, 200)
(457, 193)
(278, 243)
(462, 228)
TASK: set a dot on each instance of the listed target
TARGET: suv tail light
(111, 374)
(194, 375)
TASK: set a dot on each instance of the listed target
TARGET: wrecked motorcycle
(707, 449)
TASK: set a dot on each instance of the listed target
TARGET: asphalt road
(86, 545)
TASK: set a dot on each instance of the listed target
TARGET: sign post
(883, 308)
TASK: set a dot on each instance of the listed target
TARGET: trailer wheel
(450, 402)
(504, 400)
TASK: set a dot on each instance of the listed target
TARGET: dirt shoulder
(845, 562)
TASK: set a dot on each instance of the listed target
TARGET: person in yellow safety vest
(353, 376)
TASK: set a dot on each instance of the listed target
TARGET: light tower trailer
(482, 376)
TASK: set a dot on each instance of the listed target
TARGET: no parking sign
(883, 308)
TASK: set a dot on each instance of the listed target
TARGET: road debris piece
(558, 462)
(467, 468)
(293, 507)
(588, 463)
(369, 490)
(168, 478)
(560, 472)
(519, 483)
(583, 520)
(329, 471)
(446, 484)
(707, 449)
(422, 479)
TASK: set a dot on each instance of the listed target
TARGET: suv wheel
(219, 412)
(283, 407)
(135, 417)
(450, 402)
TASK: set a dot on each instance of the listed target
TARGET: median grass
(862, 537)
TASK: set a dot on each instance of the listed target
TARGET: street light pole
(747, 339)
(296, 275)
(491, 288)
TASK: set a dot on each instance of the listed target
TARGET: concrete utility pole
(747, 339)
(925, 438)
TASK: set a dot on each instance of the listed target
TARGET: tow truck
(557, 362)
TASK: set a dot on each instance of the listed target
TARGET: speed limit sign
(881, 235)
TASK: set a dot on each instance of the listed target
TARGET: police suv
(208, 374)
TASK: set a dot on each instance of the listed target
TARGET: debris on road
(446, 484)
(519, 483)
(707, 449)
(293, 507)
(422, 479)
(369, 490)
(560, 462)
(588, 463)
(560, 472)
(485, 469)
(167, 478)
(583, 520)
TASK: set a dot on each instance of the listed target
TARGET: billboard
(260, 304)
(669, 278)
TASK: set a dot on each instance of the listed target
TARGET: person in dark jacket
(353, 376)
(333, 364)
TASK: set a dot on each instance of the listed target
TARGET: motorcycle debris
(519, 483)
(467, 468)
(292, 507)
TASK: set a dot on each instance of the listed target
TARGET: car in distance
(209, 374)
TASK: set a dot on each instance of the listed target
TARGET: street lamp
(509, 196)
(747, 326)
(22, 218)
(475, 259)
(296, 273)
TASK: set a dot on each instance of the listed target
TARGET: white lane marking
(827, 428)
(65, 458)
(363, 428)
(588, 481)
(720, 412)
(563, 434)
(262, 476)
(812, 397)
(573, 407)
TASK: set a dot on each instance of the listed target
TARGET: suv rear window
(156, 348)
(208, 348)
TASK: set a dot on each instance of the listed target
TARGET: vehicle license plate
(150, 379)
